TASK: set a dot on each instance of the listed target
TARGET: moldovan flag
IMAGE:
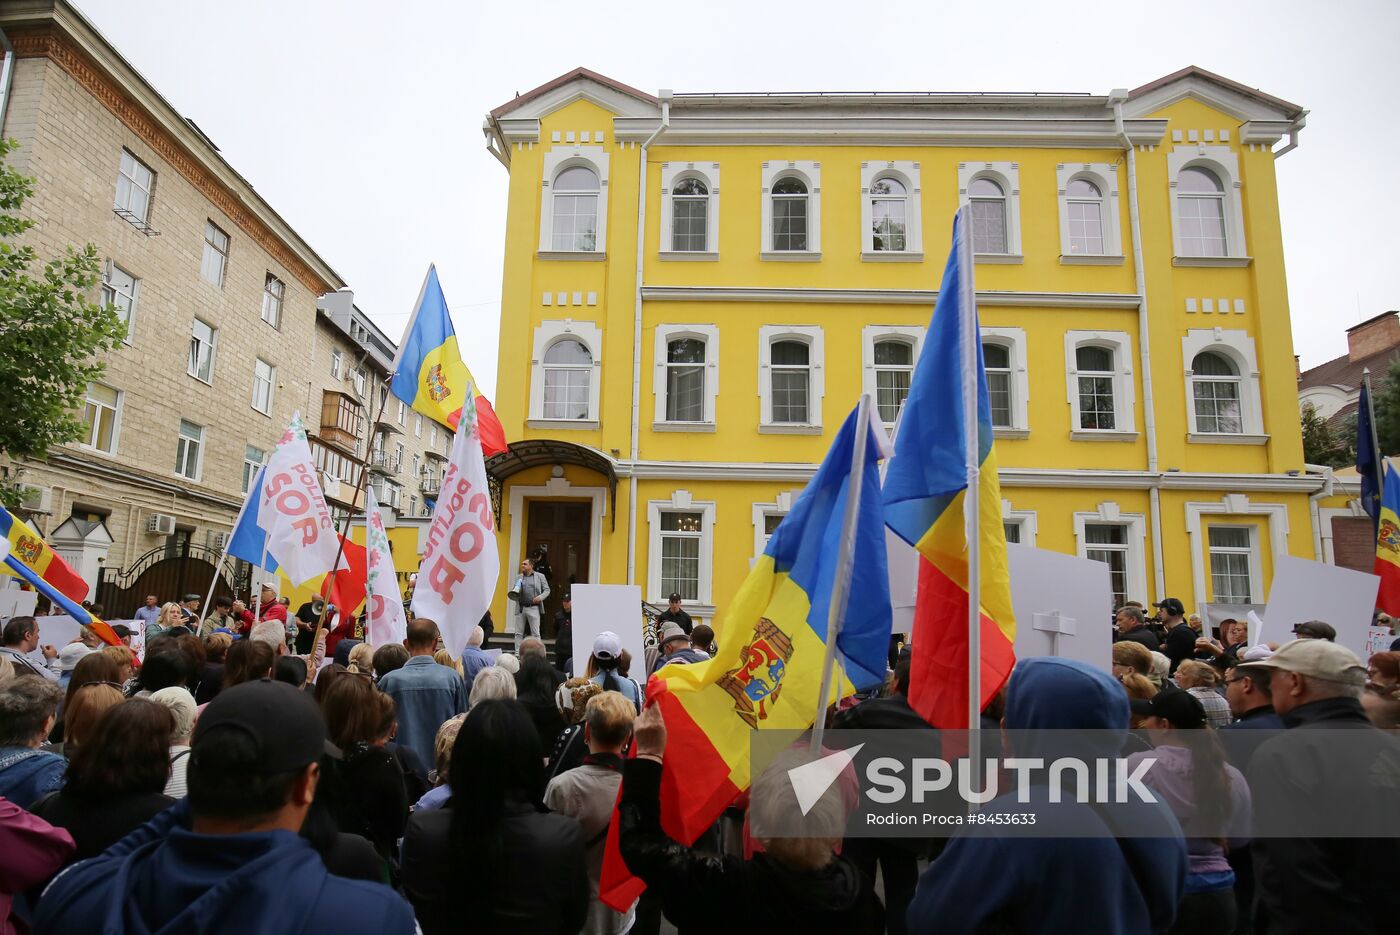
(1388, 545)
(772, 643)
(292, 510)
(386, 623)
(25, 555)
(460, 564)
(925, 489)
(430, 375)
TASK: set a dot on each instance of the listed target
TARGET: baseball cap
(675, 596)
(607, 645)
(1172, 606)
(1179, 708)
(1316, 658)
(70, 655)
(121, 629)
(672, 631)
(567, 596)
(283, 723)
(1316, 630)
(270, 585)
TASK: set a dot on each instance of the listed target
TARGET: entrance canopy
(537, 452)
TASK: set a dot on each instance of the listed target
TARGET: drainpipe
(7, 76)
(1149, 417)
(1325, 490)
(1298, 124)
(665, 96)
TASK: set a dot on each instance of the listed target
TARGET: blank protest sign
(1304, 590)
(1063, 606)
(615, 607)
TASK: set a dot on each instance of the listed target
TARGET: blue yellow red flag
(1388, 544)
(25, 555)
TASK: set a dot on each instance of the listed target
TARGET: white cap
(271, 586)
(607, 645)
(69, 656)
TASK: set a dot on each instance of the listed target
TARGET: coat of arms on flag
(756, 682)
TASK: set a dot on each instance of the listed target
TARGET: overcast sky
(360, 122)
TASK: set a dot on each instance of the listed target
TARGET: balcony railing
(382, 462)
(432, 486)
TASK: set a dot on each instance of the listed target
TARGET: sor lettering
(459, 537)
(291, 500)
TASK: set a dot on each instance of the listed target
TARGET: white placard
(902, 560)
(1304, 590)
(615, 607)
(1063, 605)
(17, 603)
(57, 631)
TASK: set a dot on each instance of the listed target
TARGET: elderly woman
(182, 708)
(1203, 681)
(491, 682)
(27, 714)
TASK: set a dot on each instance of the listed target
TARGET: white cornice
(884, 297)
(868, 128)
(1223, 99)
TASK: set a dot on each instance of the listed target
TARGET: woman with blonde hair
(443, 743)
(444, 658)
(361, 660)
(170, 617)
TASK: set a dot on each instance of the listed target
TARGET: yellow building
(698, 287)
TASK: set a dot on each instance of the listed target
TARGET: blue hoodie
(165, 878)
(27, 775)
(1057, 884)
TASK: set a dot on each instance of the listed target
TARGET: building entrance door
(557, 531)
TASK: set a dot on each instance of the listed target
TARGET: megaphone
(318, 606)
(514, 593)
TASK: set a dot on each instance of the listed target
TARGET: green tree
(1320, 444)
(1386, 398)
(51, 335)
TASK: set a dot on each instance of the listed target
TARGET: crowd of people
(239, 775)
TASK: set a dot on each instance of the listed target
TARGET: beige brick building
(228, 332)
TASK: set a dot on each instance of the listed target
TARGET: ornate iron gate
(170, 577)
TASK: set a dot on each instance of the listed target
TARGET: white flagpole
(223, 557)
(972, 500)
(257, 585)
(412, 320)
(841, 585)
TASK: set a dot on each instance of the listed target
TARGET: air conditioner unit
(218, 540)
(162, 524)
(38, 500)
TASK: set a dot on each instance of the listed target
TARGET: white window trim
(872, 334)
(811, 174)
(1256, 571)
(781, 506)
(905, 172)
(555, 161)
(131, 183)
(271, 386)
(1232, 504)
(1109, 512)
(336, 360)
(213, 352)
(116, 422)
(1224, 163)
(810, 335)
(203, 441)
(554, 488)
(1104, 176)
(1008, 176)
(546, 333)
(246, 462)
(681, 502)
(402, 414)
(107, 270)
(1238, 346)
(1124, 392)
(1025, 519)
(671, 174)
(418, 425)
(281, 300)
(1014, 340)
(665, 334)
(224, 253)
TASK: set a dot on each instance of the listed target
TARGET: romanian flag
(926, 487)
(429, 373)
(25, 555)
(1388, 545)
(772, 643)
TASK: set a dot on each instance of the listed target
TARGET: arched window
(568, 368)
(1215, 389)
(792, 380)
(685, 380)
(988, 201)
(690, 209)
(576, 209)
(1084, 202)
(1201, 211)
(889, 201)
(789, 214)
(894, 365)
(1096, 374)
(996, 359)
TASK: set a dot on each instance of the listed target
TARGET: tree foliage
(1387, 402)
(52, 335)
(1323, 446)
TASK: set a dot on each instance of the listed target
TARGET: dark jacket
(549, 723)
(164, 878)
(1243, 736)
(97, 824)
(1327, 884)
(370, 798)
(1180, 644)
(540, 884)
(703, 892)
(27, 775)
(1141, 635)
(563, 640)
(680, 618)
(891, 713)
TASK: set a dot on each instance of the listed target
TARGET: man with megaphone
(529, 593)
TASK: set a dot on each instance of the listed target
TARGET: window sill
(891, 256)
(683, 427)
(582, 425)
(209, 382)
(1234, 262)
(1204, 438)
(1089, 435)
(1010, 433)
(1000, 259)
(694, 256)
(595, 256)
(791, 256)
(1089, 259)
(788, 428)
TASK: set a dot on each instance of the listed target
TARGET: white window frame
(1014, 340)
(212, 231)
(665, 334)
(870, 335)
(115, 293)
(250, 467)
(1224, 163)
(335, 363)
(1008, 176)
(556, 161)
(1254, 566)
(1238, 346)
(1231, 504)
(91, 442)
(1025, 520)
(192, 367)
(274, 299)
(1124, 392)
(182, 449)
(673, 173)
(403, 413)
(811, 335)
(1135, 566)
(546, 333)
(810, 173)
(681, 502)
(143, 216)
(1104, 176)
(270, 380)
(906, 172)
(432, 433)
(418, 425)
(781, 506)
